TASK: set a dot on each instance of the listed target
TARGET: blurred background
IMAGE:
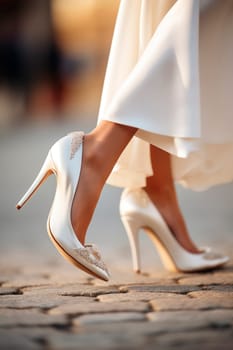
(53, 56)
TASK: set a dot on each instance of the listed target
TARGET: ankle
(161, 193)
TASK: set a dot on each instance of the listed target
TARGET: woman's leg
(161, 190)
(101, 149)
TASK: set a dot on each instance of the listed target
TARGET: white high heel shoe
(138, 212)
(64, 160)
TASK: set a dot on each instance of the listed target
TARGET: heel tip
(18, 206)
(137, 271)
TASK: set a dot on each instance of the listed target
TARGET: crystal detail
(76, 141)
(212, 255)
(92, 256)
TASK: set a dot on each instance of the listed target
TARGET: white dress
(170, 74)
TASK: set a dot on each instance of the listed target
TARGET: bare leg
(101, 149)
(161, 190)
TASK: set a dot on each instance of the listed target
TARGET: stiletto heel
(45, 171)
(65, 160)
(138, 212)
(132, 230)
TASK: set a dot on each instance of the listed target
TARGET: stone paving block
(10, 342)
(185, 302)
(133, 296)
(108, 318)
(172, 301)
(223, 298)
(155, 281)
(90, 291)
(172, 288)
(208, 279)
(206, 339)
(211, 294)
(109, 337)
(99, 307)
(71, 290)
(77, 277)
(39, 301)
(139, 328)
(130, 277)
(91, 337)
(188, 320)
(219, 287)
(9, 290)
(37, 334)
(9, 317)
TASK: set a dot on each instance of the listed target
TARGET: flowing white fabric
(170, 74)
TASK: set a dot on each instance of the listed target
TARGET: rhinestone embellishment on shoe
(92, 256)
(212, 255)
(77, 138)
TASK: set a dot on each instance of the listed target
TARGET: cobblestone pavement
(46, 308)
(46, 303)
